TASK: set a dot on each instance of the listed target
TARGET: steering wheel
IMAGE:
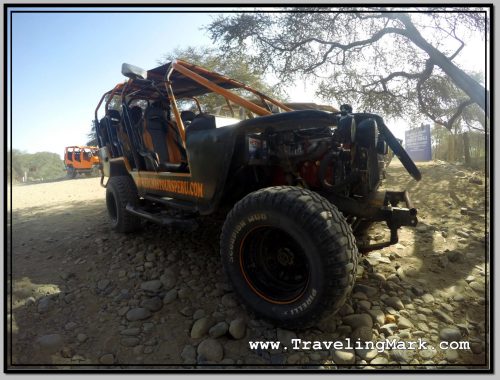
(400, 152)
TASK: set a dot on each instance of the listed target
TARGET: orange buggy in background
(81, 160)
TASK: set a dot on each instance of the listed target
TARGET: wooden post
(466, 140)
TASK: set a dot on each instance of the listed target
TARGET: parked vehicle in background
(81, 160)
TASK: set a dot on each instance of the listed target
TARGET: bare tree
(378, 59)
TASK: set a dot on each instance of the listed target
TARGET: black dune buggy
(298, 184)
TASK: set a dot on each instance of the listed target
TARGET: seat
(135, 115)
(161, 140)
(109, 126)
(201, 122)
(187, 117)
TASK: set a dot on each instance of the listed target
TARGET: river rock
(152, 286)
(210, 350)
(107, 359)
(362, 333)
(443, 316)
(200, 327)
(344, 357)
(450, 334)
(237, 328)
(50, 342)
(378, 316)
(218, 330)
(394, 302)
(152, 304)
(368, 290)
(358, 320)
(44, 304)
(170, 296)
(138, 314)
(404, 323)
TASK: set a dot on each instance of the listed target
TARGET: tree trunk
(468, 85)
(465, 136)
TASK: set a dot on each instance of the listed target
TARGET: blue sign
(418, 143)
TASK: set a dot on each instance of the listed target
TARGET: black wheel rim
(274, 265)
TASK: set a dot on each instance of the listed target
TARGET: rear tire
(120, 191)
(290, 255)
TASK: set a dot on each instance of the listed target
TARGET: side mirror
(133, 72)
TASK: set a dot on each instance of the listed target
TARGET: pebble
(401, 356)
(200, 313)
(184, 293)
(388, 329)
(44, 304)
(394, 302)
(378, 316)
(476, 347)
(451, 356)
(188, 354)
(470, 278)
(389, 318)
(364, 305)
(427, 354)
(404, 323)
(107, 359)
(344, 357)
(362, 333)
(210, 350)
(170, 296)
(379, 360)
(237, 328)
(152, 304)
(358, 320)
(131, 331)
(103, 284)
(130, 342)
(477, 286)
(138, 314)
(70, 326)
(50, 342)
(81, 338)
(369, 291)
(200, 327)
(450, 334)
(219, 329)
(152, 286)
(168, 279)
(366, 354)
(346, 309)
(443, 316)
(428, 298)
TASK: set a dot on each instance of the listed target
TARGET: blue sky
(62, 63)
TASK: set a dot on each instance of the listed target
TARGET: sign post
(418, 143)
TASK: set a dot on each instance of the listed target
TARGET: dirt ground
(83, 294)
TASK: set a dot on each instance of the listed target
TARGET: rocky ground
(83, 294)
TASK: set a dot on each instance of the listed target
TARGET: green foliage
(378, 61)
(38, 166)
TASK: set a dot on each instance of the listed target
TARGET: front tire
(120, 191)
(290, 255)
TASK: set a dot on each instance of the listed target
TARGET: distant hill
(38, 166)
